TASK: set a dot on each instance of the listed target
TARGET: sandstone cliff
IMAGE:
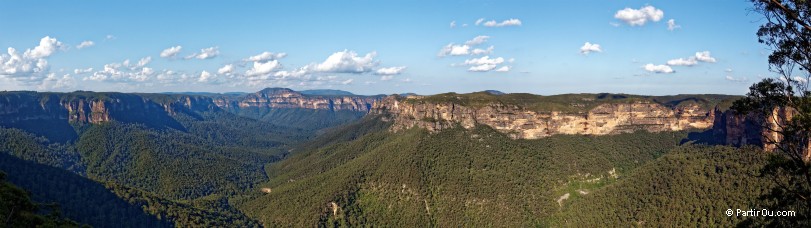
(525, 120)
(286, 98)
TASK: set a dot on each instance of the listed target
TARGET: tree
(783, 107)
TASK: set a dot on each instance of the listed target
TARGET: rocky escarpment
(92, 108)
(740, 129)
(287, 98)
(522, 121)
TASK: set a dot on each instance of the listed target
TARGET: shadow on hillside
(706, 137)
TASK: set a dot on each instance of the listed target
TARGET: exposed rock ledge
(522, 123)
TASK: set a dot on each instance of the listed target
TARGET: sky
(383, 47)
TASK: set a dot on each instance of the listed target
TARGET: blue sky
(374, 47)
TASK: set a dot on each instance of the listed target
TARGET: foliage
(455, 177)
(689, 186)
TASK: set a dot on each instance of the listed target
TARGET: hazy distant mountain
(327, 92)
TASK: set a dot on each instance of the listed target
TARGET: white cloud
(124, 72)
(453, 24)
(482, 68)
(294, 73)
(109, 37)
(205, 53)
(453, 49)
(510, 22)
(484, 60)
(266, 56)
(263, 68)
(386, 77)
(143, 61)
(53, 82)
(47, 46)
(671, 25)
(589, 47)
(730, 78)
(799, 79)
(390, 70)
(348, 81)
(477, 40)
(31, 67)
(682, 62)
(206, 77)
(479, 51)
(658, 68)
(227, 69)
(704, 56)
(638, 17)
(504, 69)
(171, 52)
(728, 70)
(465, 49)
(82, 71)
(484, 64)
(348, 62)
(479, 21)
(85, 44)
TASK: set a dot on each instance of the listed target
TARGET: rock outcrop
(287, 98)
(738, 129)
(523, 123)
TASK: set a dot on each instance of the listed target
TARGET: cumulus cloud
(478, 51)
(390, 70)
(683, 62)
(55, 82)
(589, 48)
(30, 67)
(671, 25)
(205, 76)
(479, 21)
(205, 53)
(638, 17)
(85, 44)
(266, 56)
(227, 69)
(453, 49)
(386, 77)
(348, 81)
(82, 71)
(658, 68)
(453, 24)
(504, 69)
(124, 72)
(483, 64)
(509, 22)
(171, 52)
(703, 56)
(263, 68)
(348, 62)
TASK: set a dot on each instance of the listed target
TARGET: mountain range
(279, 157)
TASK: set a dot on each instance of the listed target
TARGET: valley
(279, 157)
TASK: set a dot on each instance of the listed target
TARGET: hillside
(453, 177)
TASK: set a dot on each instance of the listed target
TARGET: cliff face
(756, 129)
(94, 108)
(286, 98)
(523, 123)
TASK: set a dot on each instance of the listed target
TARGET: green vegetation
(455, 177)
(689, 186)
(19, 211)
(574, 102)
